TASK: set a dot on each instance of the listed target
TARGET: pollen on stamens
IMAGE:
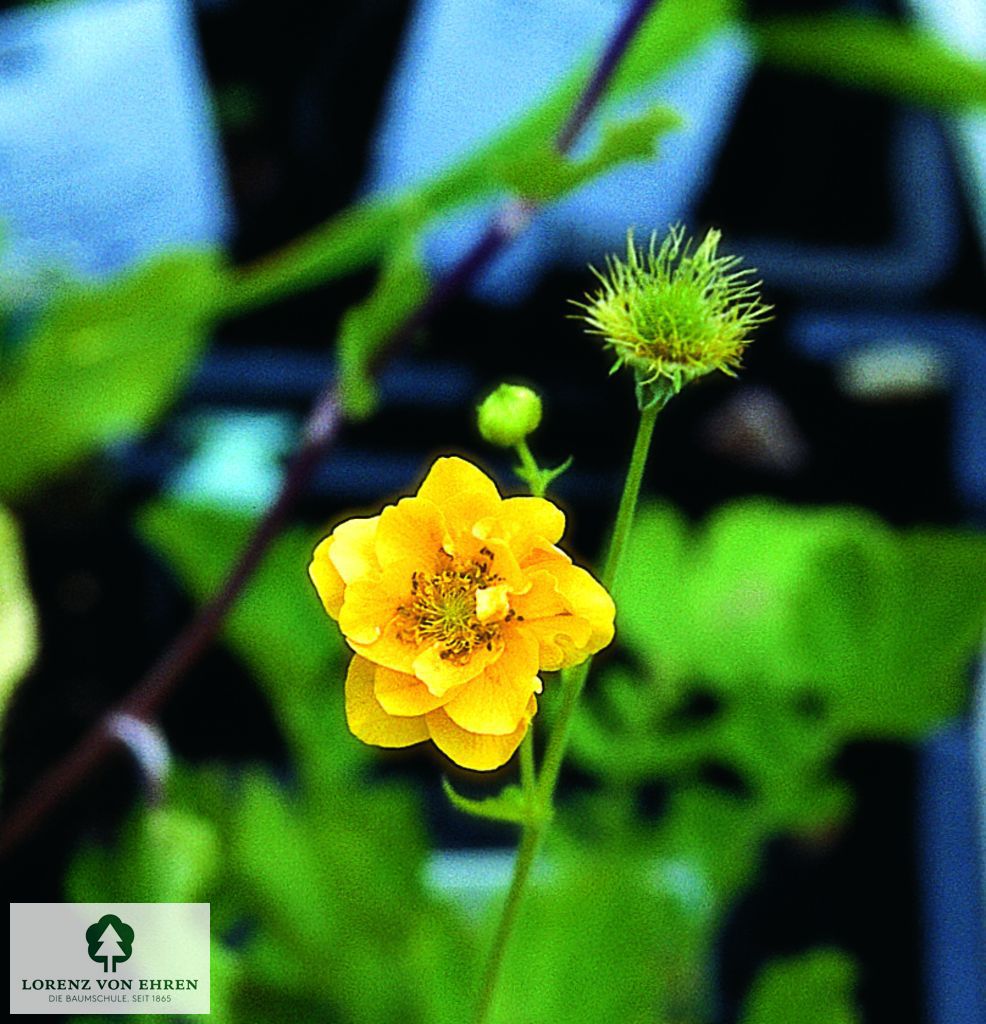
(442, 609)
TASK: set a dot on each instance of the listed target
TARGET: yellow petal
(461, 490)
(368, 606)
(567, 612)
(325, 576)
(389, 649)
(496, 700)
(411, 535)
(472, 750)
(524, 524)
(367, 719)
(563, 640)
(353, 552)
(588, 599)
(402, 694)
(443, 674)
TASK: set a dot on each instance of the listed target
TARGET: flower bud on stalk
(508, 415)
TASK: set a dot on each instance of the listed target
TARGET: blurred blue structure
(953, 879)
(829, 336)
(920, 252)
(107, 147)
(467, 70)
(962, 24)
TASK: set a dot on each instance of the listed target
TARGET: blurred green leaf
(919, 675)
(874, 53)
(544, 174)
(102, 363)
(364, 233)
(608, 946)
(18, 622)
(879, 624)
(814, 988)
(768, 638)
(170, 856)
(508, 805)
(401, 287)
(277, 626)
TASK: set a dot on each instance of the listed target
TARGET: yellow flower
(454, 600)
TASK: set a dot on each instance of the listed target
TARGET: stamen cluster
(442, 608)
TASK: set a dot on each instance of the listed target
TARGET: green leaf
(544, 174)
(278, 626)
(916, 675)
(401, 287)
(509, 804)
(18, 621)
(103, 362)
(874, 53)
(814, 988)
(800, 629)
(164, 855)
(599, 942)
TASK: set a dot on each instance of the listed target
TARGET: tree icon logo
(111, 941)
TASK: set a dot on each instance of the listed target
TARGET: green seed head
(676, 311)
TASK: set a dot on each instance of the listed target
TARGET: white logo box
(76, 958)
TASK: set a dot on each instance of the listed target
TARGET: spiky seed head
(675, 311)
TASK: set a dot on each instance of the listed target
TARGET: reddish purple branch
(321, 428)
(602, 75)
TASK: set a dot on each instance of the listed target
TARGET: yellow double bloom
(454, 601)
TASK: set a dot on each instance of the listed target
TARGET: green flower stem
(528, 779)
(573, 682)
(533, 476)
(631, 493)
(530, 845)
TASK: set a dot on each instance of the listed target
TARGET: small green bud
(508, 415)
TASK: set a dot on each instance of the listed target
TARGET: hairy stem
(573, 682)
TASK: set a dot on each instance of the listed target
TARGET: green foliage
(762, 642)
(773, 635)
(823, 602)
(875, 53)
(508, 805)
(18, 626)
(402, 286)
(170, 855)
(544, 175)
(605, 947)
(101, 363)
(320, 910)
(815, 988)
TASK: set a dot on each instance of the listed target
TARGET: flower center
(443, 609)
